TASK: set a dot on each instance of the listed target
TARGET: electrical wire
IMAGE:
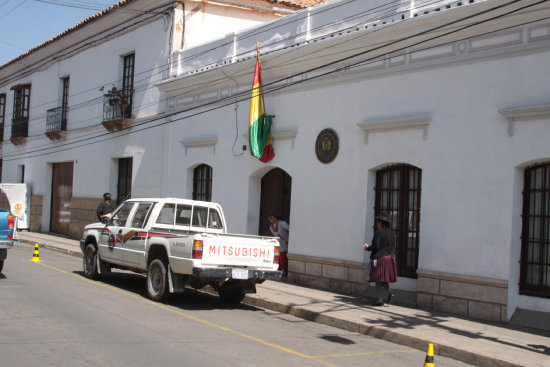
(162, 70)
(200, 106)
(270, 90)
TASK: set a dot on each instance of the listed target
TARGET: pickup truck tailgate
(250, 251)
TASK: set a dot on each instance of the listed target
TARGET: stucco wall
(471, 165)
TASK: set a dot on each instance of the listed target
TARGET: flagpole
(261, 91)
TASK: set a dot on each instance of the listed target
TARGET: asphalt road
(50, 315)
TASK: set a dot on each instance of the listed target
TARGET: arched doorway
(275, 197)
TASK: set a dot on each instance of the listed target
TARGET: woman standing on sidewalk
(279, 228)
(383, 266)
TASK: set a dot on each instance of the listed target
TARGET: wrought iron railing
(20, 127)
(56, 119)
(113, 109)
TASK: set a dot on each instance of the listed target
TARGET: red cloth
(385, 270)
(282, 260)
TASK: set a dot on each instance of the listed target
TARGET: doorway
(275, 197)
(62, 193)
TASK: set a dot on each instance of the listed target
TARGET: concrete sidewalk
(474, 342)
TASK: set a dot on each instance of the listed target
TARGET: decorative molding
(525, 113)
(395, 124)
(200, 143)
(432, 274)
(57, 134)
(288, 134)
(117, 124)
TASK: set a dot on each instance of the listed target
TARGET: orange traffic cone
(429, 361)
(35, 255)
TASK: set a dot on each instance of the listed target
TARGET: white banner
(19, 197)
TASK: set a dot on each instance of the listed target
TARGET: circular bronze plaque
(326, 146)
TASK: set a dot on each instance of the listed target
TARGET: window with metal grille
(535, 237)
(2, 115)
(128, 82)
(21, 103)
(64, 102)
(124, 184)
(202, 183)
(397, 193)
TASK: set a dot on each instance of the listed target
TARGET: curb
(66, 251)
(379, 333)
(365, 329)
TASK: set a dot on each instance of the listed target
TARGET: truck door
(110, 239)
(134, 236)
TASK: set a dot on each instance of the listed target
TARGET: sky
(25, 24)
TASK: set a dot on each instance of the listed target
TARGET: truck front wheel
(157, 280)
(89, 262)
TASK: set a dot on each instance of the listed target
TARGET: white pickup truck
(179, 243)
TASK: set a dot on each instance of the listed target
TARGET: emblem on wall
(326, 146)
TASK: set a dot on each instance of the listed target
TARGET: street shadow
(336, 339)
(190, 300)
(439, 320)
(2, 276)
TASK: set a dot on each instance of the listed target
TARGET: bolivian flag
(259, 128)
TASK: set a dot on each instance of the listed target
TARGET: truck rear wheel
(1, 265)
(89, 262)
(231, 292)
(157, 280)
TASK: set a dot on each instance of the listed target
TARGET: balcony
(116, 113)
(19, 130)
(56, 123)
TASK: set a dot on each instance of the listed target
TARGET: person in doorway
(279, 228)
(383, 267)
(105, 208)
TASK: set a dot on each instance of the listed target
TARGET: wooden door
(275, 198)
(62, 192)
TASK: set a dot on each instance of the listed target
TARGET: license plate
(239, 274)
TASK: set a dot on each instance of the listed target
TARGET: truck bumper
(228, 273)
(5, 244)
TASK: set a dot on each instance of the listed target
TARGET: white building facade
(437, 114)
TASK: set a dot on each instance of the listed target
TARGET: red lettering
(255, 252)
(245, 252)
(211, 249)
(224, 248)
(230, 252)
(237, 251)
(262, 253)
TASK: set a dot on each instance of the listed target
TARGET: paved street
(51, 315)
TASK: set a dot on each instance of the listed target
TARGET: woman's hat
(384, 217)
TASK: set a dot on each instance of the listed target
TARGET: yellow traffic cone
(35, 255)
(429, 361)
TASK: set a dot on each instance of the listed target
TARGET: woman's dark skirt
(385, 270)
